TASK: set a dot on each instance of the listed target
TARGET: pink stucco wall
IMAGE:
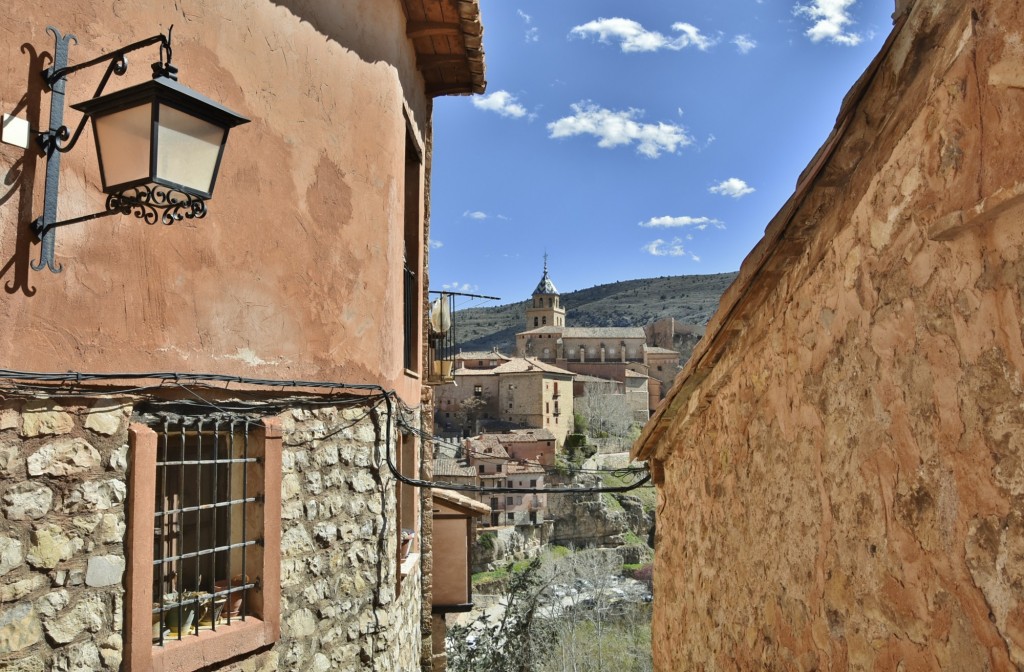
(295, 272)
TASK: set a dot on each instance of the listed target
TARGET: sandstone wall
(63, 555)
(845, 489)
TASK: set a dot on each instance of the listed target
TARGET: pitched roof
(452, 498)
(486, 446)
(482, 354)
(527, 364)
(526, 435)
(446, 466)
(660, 351)
(604, 332)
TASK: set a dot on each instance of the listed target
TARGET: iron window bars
(201, 532)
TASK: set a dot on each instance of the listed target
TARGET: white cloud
(459, 287)
(435, 244)
(831, 18)
(744, 44)
(700, 223)
(615, 128)
(475, 214)
(673, 248)
(532, 33)
(633, 37)
(502, 102)
(734, 187)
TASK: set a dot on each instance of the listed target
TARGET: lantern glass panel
(123, 139)
(188, 149)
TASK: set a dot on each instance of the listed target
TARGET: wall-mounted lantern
(159, 143)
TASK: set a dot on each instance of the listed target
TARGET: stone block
(19, 628)
(95, 496)
(26, 501)
(64, 457)
(9, 419)
(77, 658)
(88, 615)
(111, 651)
(42, 417)
(10, 554)
(51, 546)
(301, 624)
(20, 589)
(104, 570)
(118, 460)
(106, 416)
(10, 460)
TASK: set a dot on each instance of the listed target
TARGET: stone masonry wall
(339, 607)
(62, 555)
(846, 489)
(62, 491)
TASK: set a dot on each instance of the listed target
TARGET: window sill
(409, 564)
(209, 647)
(409, 373)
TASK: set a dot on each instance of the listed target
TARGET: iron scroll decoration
(165, 203)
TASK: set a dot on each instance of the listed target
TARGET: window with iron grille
(203, 537)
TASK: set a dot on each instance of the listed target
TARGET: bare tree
(604, 410)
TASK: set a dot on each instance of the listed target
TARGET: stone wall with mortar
(62, 553)
(845, 489)
(62, 558)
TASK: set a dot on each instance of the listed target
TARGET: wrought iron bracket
(58, 139)
(149, 205)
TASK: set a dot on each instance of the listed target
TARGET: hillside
(690, 299)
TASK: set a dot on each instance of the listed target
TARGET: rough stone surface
(10, 554)
(104, 570)
(51, 546)
(19, 628)
(843, 490)
(19, 589)
(63, 457)
(27, 502)
(88, 615)
(40, 418)
(106, 417)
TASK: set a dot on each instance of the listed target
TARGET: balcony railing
(441, 345)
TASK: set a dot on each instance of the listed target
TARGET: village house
(838, 465)
(489, 454)
(518, 393)
(203, 425)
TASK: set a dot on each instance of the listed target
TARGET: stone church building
(840, 465)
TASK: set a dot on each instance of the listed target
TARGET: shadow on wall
(20, 178)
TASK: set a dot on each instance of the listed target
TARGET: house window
(407, 500)
(204, 540)
(413, 266)
(478, 390)
(481, 468)
(544, 320)
(494, 502)
(508, 500)
(535, 322)
(533, 483)
(497, 468)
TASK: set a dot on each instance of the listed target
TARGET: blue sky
(635, 139)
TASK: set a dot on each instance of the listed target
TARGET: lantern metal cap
(167, 90)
